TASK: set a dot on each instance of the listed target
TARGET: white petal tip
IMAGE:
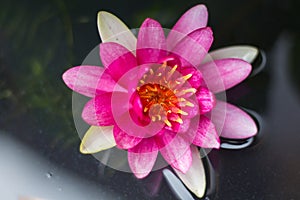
(194, 178)
(85, 150)
(216, 146)
(199, 193)
(201, 6)
(112, 29)
(104, 14)
(97, 139)
(244, 52)
(252, 53)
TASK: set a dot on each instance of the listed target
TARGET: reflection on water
(259, 63)
(236, 144)
(176, 185)
(179, 189)
(211, 179)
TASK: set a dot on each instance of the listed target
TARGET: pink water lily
(157, 94)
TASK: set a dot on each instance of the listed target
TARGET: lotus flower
(157, 94)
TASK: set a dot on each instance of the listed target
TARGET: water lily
(157, 94)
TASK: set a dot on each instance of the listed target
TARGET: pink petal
(196, 80)
(137, 111)
(221, 75)
(206, 100)
(205, 134)
(124, 140)
(86, 80)
(184, 126)
(232, 122)
(183, 163)
(146, 145)
(151, 43)
(164, 137)
(192, 48)
(127, 123)
(177, 152)
(193, 19)
(175, 127)
(128, 115)
(117, 59)
(192, 111)
(98, 111)
(142, 158)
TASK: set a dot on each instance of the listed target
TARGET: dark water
(39, 143)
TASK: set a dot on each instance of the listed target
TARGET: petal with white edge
(244, 52)
(194, 179)
(96, 139)
(142, 157)
(112, 29)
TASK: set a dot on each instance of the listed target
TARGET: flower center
(161, 93)
(158, 101)
(151, 94)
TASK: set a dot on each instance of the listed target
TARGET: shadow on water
(259, 64)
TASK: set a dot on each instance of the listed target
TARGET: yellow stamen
(188, 76)
(181, 112)
(179, 120)
(172, 71)
(192, 90)
(182, 92)
(151, 71)
(153, 118)
(158, 117)
(183, 79)
(168, 123)
(187, 103)
(182, 99)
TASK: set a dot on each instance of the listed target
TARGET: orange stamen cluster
(161, 93)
